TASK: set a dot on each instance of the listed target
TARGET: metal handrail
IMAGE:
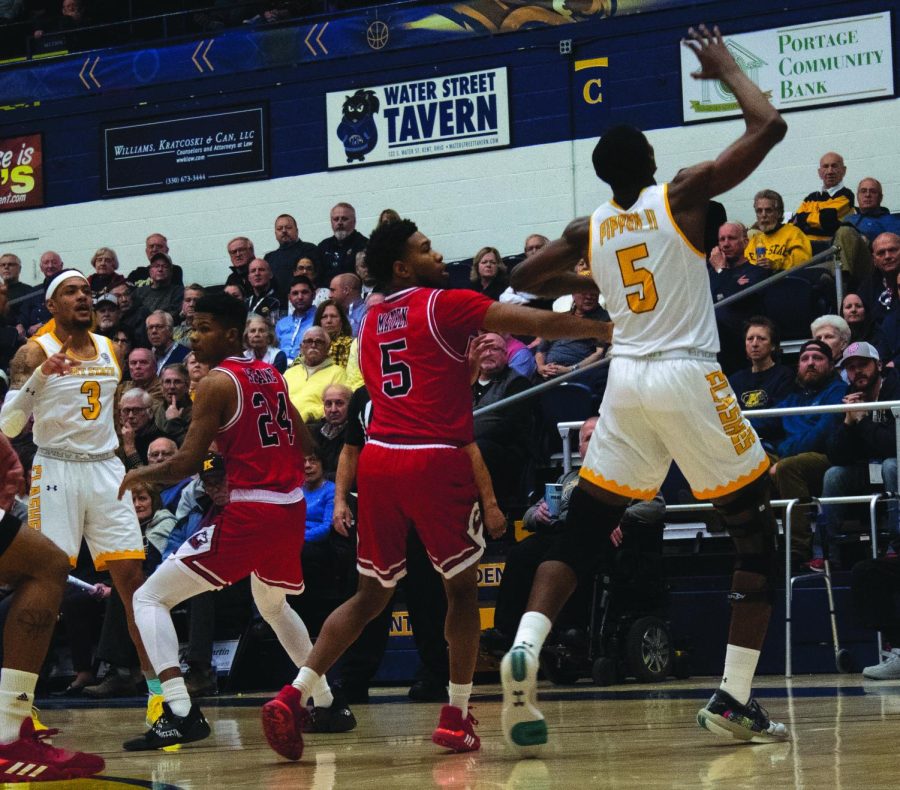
(789, 504)
(830, 254)
(565, 431)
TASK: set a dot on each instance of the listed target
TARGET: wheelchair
(628, 634)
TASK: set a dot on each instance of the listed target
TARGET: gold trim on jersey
(111, 556)
(734, 485)
(675, 225)
(115, 359)
(615, 487)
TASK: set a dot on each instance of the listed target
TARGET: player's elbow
(774, 128)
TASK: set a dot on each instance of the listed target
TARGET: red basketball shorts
(249, 537)
(430, 489)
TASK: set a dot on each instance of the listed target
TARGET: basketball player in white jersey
(666, 399)
(76, 473)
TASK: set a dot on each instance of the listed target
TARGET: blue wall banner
(459, 113)
(181, 152)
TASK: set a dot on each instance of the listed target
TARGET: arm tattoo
(23, 364)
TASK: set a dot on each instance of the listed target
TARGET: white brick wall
(462, 202)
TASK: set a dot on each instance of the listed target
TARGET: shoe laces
(42, 738)
(758, 710)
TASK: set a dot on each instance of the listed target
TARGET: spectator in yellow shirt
(776, 246)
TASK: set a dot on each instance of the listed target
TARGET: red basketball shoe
(455, 732)
(283, 721)
(31, 758)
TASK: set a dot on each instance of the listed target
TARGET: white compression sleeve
(18, 404)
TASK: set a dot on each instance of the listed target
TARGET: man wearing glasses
(312, 372)
(240, 253)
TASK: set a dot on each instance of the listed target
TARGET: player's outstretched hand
(715, 59)
(60, 362)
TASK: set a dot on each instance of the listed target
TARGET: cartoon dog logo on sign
(357, 129)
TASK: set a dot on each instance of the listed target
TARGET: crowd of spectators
(306, 302)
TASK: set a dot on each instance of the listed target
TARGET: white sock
(306, 682)
(16, 699)
(740, 667)
(177, 696)
(459, 696)
(533, 630)
(322, 694)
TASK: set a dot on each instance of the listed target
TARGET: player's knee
(748, 513)
(54, 566)
(151, 593)
(751, 586)
(270, 604)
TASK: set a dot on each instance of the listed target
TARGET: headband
(58, 280)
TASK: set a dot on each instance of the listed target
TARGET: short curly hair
(622, 155)
(386, 245)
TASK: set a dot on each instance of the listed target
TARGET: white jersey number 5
(645, 299)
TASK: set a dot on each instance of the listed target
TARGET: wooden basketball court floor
(845, 732)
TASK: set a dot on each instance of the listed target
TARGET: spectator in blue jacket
(799, 442)
(871, 218)
(319, 495)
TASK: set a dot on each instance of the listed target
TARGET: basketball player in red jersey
(243, 406)
(420, 467)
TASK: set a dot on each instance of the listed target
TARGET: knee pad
(269, 600)
(750, 586)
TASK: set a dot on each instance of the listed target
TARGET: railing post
(788, 590)
(566, 435)
(838, 278)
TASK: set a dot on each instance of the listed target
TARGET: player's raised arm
(550, 271)
(520, 320)
(764, 126)
(214, 403)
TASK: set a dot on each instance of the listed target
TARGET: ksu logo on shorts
(475, 520)
(198, 540)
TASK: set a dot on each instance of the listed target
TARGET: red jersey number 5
(396, 377)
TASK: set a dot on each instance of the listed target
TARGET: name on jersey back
(630, 221)
(393, 319)
(260, 375)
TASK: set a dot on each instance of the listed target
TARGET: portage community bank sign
(840, 60)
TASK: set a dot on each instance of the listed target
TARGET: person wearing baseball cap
(799, 441)
(861, 439)
(108, 314)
